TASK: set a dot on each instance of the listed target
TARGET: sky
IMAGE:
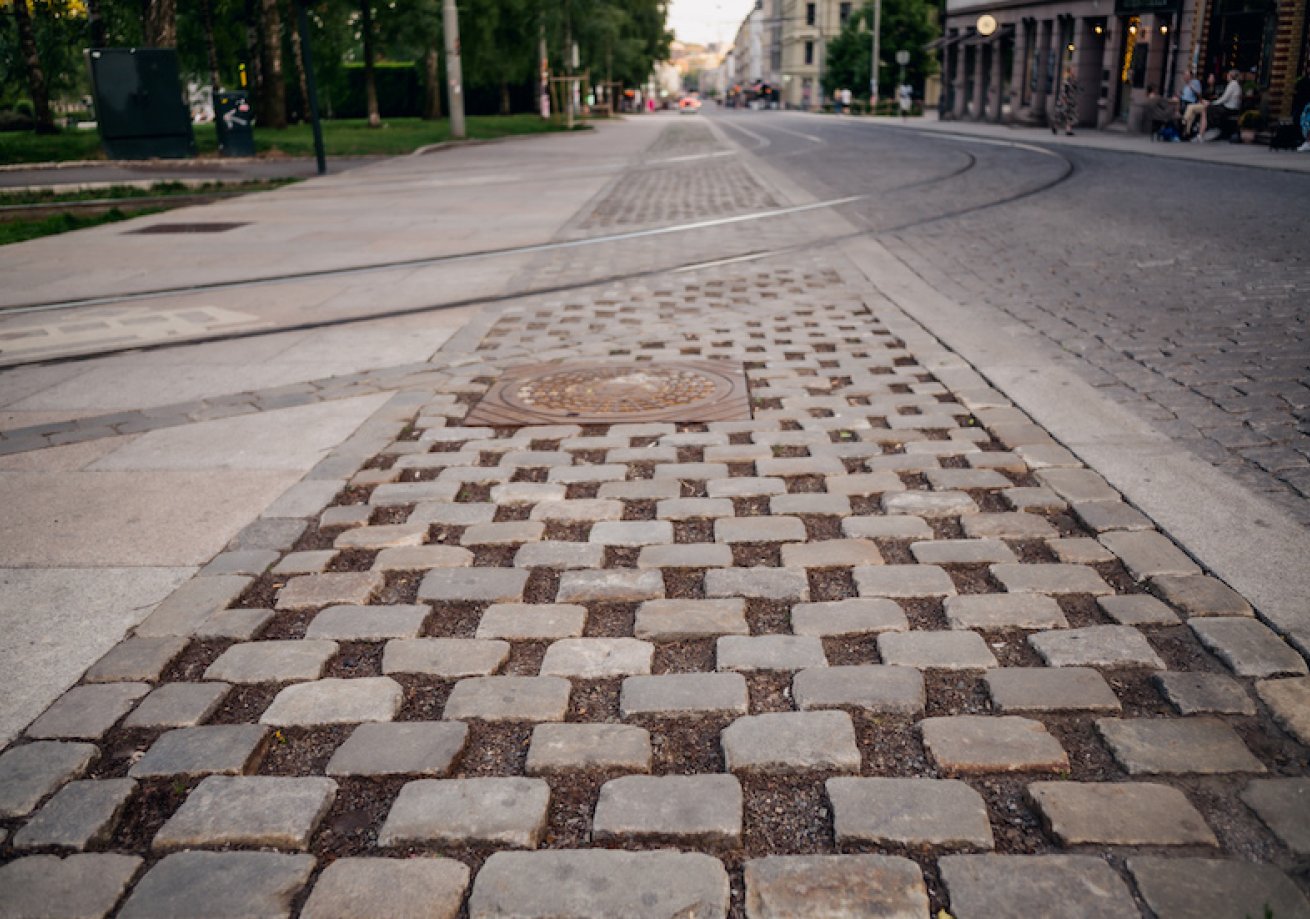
(705, 21)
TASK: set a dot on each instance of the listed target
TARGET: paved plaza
(889, 634)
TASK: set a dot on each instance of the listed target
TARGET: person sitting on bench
(1191, 100)
(1223, 111)
(1163, 113)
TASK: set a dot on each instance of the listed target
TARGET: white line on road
(699, 266)
(810, 137)
(691, 156)
(760, 139)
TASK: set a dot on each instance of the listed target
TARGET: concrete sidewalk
(189, 446)
(871, 640)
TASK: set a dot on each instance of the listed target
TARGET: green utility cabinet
(139, 107)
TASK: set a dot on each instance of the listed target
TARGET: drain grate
(214, 227)
(612, 393)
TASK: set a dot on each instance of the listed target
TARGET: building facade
(747, 55)
(783, 44)
(1008, 60)
(805, 28)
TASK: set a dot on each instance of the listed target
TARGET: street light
(307, 59)
(454, 73)
(873, 64)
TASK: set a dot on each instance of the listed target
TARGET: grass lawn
(117, 192)
(342, 137)
(23, 224)
(16, 231)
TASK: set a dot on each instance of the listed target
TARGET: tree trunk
(504, 98)
(432, 91)
(370, 79)
(298, 53)
(274, 112)
(211, 50)
(254, 52)
(95, 21)
(36, 84)
(161, 24)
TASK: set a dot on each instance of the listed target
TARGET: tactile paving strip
(589, 393)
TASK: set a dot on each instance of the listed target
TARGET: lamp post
(302, 23)
(873, 63)
(454, 72)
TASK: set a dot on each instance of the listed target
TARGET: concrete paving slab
(84, 613)
(128, 385)
(290, 439)
(122, 518)
(68, 458)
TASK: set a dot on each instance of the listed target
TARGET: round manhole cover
(615, 390)
(606, 393)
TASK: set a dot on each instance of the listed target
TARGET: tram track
(865, 229)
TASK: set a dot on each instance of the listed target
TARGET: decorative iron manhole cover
(212, 227)
(613, 393)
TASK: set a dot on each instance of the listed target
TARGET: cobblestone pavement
(666, 191)
(1182, 288)
(883, 648)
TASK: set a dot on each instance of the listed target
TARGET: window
(809, 52)
(809, 14)
(845, 13)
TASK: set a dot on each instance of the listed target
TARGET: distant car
(689, 105)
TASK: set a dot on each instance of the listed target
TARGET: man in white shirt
(1227, 105)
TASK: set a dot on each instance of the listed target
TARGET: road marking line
(753, 256)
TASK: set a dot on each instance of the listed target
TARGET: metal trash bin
(235, 121)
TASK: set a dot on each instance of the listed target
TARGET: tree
(412, 30)
(907, 25)
(370, 74)
(302, 75)
(211, 48)
(254, 50)
(273, 110)
(96, 25)
(219, 41)
(431, 83)
(36, 84)
(161, 23)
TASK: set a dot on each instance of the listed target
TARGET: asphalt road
(1182, 287)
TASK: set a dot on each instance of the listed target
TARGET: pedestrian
(1163, 113)
(1191, 101)
(905, 99)
(1223, 109)
(836, 101)
(846, 100)
(1066, 104)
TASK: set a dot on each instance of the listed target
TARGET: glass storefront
(1242, 38)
